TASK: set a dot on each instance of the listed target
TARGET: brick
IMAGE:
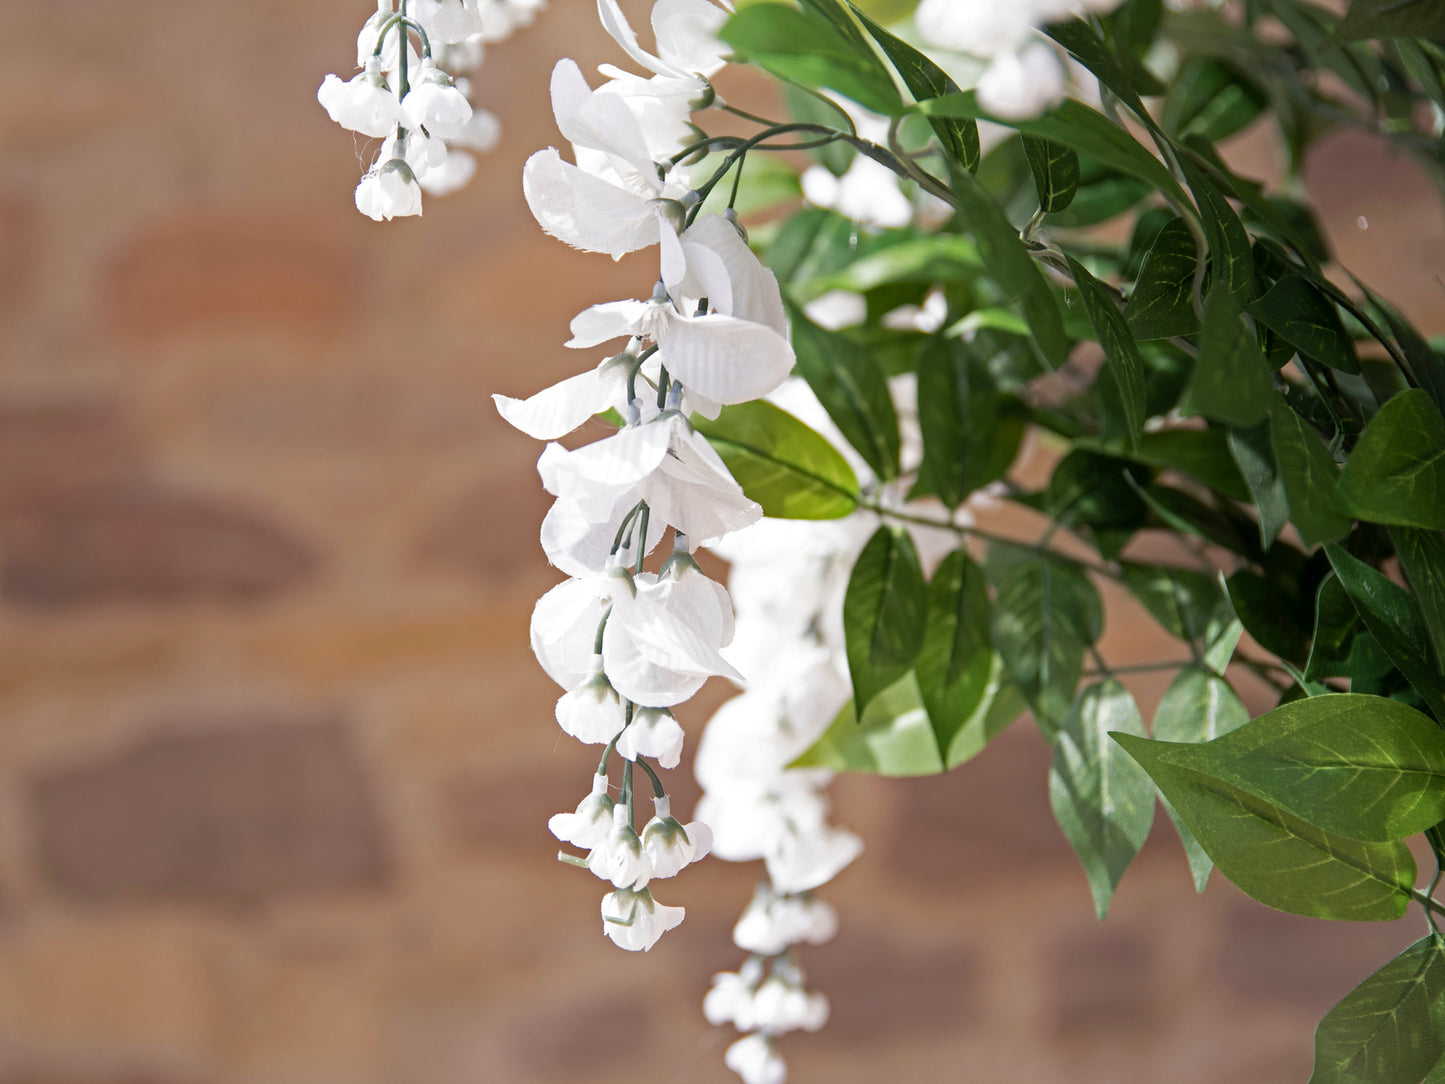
(1101, 980)
(237, 269)
(466, 536)
(132, 542)
(55, 446)
(224, 816)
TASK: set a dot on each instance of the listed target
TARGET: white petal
(556, 411)
(563, 631)
(585, 211)
(754, 288)
(686, 32)
(610, 320)
(725, 358)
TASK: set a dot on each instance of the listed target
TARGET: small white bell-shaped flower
(589, 825)
(619, 858)
(1024, 84)
(756, 1060)
(730, 1000)
(592, 713)
(654, 733)
(668, 845)
(363, 103)
(435, 103)
(780, 1006)
(635, 921)
(772, 922)
(389, 191)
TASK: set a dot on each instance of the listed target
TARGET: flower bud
(588, 826)
(619, 858)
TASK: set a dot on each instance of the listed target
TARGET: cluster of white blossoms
(1026, 74)
(628, 644)
(416, 102)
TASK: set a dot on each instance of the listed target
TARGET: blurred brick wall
(275, 761)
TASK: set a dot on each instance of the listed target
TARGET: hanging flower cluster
(1026, 73)
(628, 644)
(417, 102)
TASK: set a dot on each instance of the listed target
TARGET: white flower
(635, 921)
(984, 28)
(456, 170)
(780, 1006)
(730, 1000)
(448, 21)
(390, 54)
(836, 309)
(592, 713)
(619, 858)
(1020, 85)
(772, 922)
(867, 193)
(589, 825)
(686, 32)
(557, 410)
(363, 104)
(388, 191)
(434, 103)
(668, 845)
(754, 1058)
(653, 733)
(804, 860)
(481, 133)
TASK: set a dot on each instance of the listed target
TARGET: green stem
(626, 797)
(607, 752)
(657, 788)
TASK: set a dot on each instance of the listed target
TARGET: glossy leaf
(789, 469)
(884, 610)
(1045, 614)
(1055, 169)
(1212, 100)
(956, 662)
(1121, 352)
(1389, 1028)
(1272, 855)
(1396, 474)
(1198, 706)
(1270, 619)
(1161, 306)
(1188, 604)
(1126, 76)
(1232, 382)
(1341, 645)
(1422, 556)
(893, 737)
(1101, 798)
(853, 389)
(1254, 456)
(971, 434)
(1309, 475)
(1392, 616)
(1229, 250)
(1298, 313)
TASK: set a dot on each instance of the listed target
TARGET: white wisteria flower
(654, 733)
(618, 857)
(388, 191)
(772, 922)
(668, 845)
(730, 999)
(635, 921)
(589, 824)
(780, 1006)
(449, 22)
(592, 713)
(363, 103)
(433, 102)
(756, 1060)
(1024, 84)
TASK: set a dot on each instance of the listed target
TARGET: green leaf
(808, 108)
(804, 47)
(1422, 556)
(1045, 614)
(1389, 1028)
(1201, 453)
(810, 243)
(1270, 619)
(938, 258)
(1103, 194)
(789, 469)
(1094, 490)
(1161, 306)
(1055, 170)
(970, 434)
(1298, 313)
(1187, 604)
(1198, 706)
(1121, 352)
(1229, 249)
(925, 79)
(1391, 615)
(1075, 125)
(1308, 473)
(853, 389)
(1342, 646)
(1232, 382)
(1102, 800)
(1211, 99)
(1253, 455)
(1126, 77)
(1268, 853)
(1396, 474)
(893, 737)
(884, 610)
(957, 669)
(1392, 19)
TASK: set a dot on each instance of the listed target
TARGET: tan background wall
(275, 760)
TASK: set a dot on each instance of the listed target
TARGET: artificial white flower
(652, 733)
(592, 713)
(363, 103)
(772, 922)
(635, 921)
(984, 28)
(686, 33)
(589, 824)
(456, 170)
(867, 192)
(389, 191)
(557, 410)
(756, 1060)
(434, 103)
(779, 1006)
(481, 133)
(1020, 85)
(730, 999)
(668, 845)
(618, 857)
(448, 21)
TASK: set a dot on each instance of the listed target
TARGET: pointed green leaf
(1272, 855)
(1391, 615)
(892, 738)
(1270, 619)
(971, 433)
(1189, 604)
(1309, 476)
(1102, 800)
(884, 610)
(1126, 76)
(1211, 99)
(1342, 646)
(1055, 170)
(1298, 313)
(789, 469)
(1392, 19)
(1253, 455)
(1198, 706)
(1396, 474)
(956, 661)
(1121, 352)
(1232, 382)
(1389, 1028)
(1422, 556)
(1229, 250)
(1161, 306)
